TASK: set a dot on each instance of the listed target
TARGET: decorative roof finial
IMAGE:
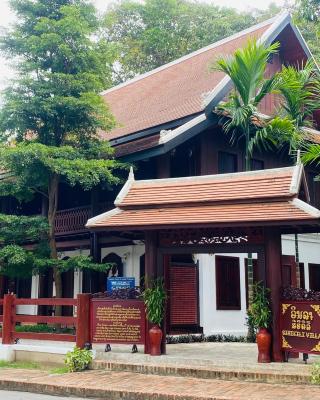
(131, 174)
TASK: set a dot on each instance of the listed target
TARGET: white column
(77, 282)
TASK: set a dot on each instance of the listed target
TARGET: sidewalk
(133, 386)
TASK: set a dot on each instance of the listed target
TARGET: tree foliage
(149, 34)
(299, 89)
(52, 113)
(306, 15)
(246, 69)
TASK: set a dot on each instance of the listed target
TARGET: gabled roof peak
(201, 50)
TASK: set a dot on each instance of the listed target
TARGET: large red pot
(264, 345)
(155, 337)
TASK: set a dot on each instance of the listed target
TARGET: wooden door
(183, 292)
(289, 271)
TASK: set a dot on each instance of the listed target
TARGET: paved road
(4, 395)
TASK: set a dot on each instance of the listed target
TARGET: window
(117, 264)
(227, 162)
(228, 283)
(256, 164)
(185, 160)
(314, 277)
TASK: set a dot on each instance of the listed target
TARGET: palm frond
(312, 154)
(300, 92)
(246, 68)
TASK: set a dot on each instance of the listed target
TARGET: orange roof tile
(174, 90)
(244, 213)
(258, 197)
(214, 188)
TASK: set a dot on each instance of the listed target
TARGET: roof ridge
(194, 53)
(216, 176)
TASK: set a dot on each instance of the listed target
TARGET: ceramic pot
(155, 337)
(264, 345)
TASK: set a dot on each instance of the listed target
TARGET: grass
(33, 365)
(59, 370)
(19, 364)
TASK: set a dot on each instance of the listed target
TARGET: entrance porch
(218, 214)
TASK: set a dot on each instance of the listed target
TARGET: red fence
(81, 321)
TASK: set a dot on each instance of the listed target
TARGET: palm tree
(300, 98)
(240, 113)
(246, 69)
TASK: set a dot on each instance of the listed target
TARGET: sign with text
(118, 282)
(118, 321)
(300, 326)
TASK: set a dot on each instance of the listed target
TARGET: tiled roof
(204, 215)
(174, 90)
(212, 188)
(259, 197)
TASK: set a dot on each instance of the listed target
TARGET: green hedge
(43, 328)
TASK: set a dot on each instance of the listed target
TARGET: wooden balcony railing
(73, 220)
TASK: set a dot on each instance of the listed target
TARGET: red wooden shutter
(183, 295)
(289, 271)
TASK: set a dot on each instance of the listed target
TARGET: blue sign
(120, 283)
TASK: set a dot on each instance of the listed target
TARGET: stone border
(109, 394)
(202, 372)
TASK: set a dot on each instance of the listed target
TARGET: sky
(7, 17)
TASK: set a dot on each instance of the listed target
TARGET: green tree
(149, 34)
(15, 260)
(300, 98)
(306, 15)
(240, 115)
(299, 90)
(246, 69)
(52, 113)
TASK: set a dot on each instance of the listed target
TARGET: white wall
(77, 283)
(130, 256)
(309, 250)
(233, 322)
(212, 320)
(215, 321)
(31, 310)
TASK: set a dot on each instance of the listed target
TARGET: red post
(83, 320)
(273, 272)
(8, 314)
(151, 243)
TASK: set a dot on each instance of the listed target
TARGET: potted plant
(155, 298)
(259, 316)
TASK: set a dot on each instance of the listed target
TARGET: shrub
(259, 312)
(194, 338)
(43, 328)
(78, 359)
(315, 373)
(155, 301)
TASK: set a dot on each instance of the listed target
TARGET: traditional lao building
(178, 200)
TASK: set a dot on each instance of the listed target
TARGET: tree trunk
(251, 333)
(52, 211)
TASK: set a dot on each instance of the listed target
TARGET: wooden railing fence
(81, 321)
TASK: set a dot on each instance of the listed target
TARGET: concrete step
(132, 386)
(256, 374)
